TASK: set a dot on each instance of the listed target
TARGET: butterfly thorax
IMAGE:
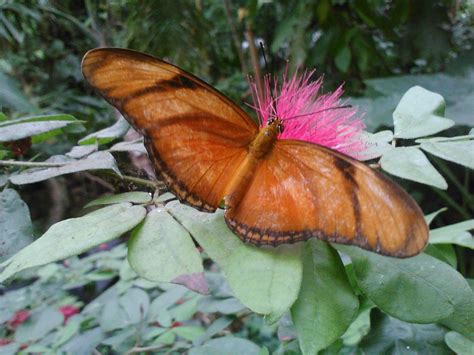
(265, 139)
(260, 147)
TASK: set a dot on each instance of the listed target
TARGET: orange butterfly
(208, 150)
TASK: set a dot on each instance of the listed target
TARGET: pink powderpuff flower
(309, 115)
(68, 311)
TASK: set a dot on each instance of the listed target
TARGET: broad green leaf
(376, 144)
(392, 336)
(132, 197)
(16, 230)
(31, 126)
(420, 289)
(461, 319)
(228, 345)
(38, 325)
(410, 163)
(106, 135)
(326, 304)
(162, 250)
(457, 152)
(95, 161)
(420, 113)
(454, 234)
(265, 280)
(459, 344)
(75, 236)
(443, 252)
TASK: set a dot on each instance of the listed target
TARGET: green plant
(330, 290)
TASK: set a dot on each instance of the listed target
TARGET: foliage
(124, 292)
(303, 279)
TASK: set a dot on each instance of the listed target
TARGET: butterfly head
(276, 123)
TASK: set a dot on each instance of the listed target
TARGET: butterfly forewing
(315, 192)
(196, 136)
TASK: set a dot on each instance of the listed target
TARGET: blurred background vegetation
(377, 48)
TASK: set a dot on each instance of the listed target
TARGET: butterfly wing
(195, 136)
(310, 191)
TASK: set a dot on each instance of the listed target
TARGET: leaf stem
(30, 164)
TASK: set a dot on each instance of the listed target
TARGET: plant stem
(30, 164)
(235, 36)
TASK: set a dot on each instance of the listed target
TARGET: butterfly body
(258, 149)
(208, 150)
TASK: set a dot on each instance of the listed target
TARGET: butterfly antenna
(315, 112)
(272, 96)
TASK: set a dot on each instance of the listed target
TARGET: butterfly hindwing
(195, 135)
(310, 191)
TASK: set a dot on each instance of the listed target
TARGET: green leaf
(129, 147)
(429, 217)
(84, 343)
(392, 336)
(410, 163)
(166, 300)
(136, 304)
(12, 96)
(162, 250)
(397, 285)
(113, 316)
(228, 345)
(16, 230)
(74, 236)
(65, 333)
(326, 303)
(454, 234)
(419, 113)
(343, 59)
(31, 126)
(461, 319)
(459, 344)
(267, 282)
(376, 144)
(217, 326)
(443, 252)
(106, 135)
(81, 151)
(360, 327)
(95, 161)
(457, 152)
(137, 197)
(39, 325)
(189, 333)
